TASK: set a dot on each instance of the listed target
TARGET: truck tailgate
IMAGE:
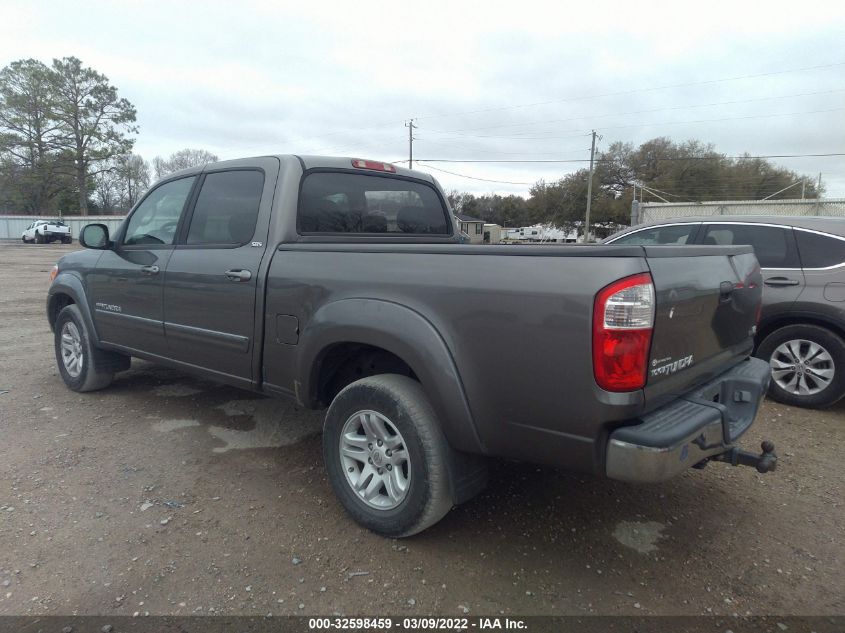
(707, 306)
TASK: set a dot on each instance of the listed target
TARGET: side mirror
(95, 236)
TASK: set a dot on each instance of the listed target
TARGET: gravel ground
(165, 494)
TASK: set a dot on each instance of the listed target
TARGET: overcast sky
(485, 80)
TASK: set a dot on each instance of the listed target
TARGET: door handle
(149, 270)
(781, 281)
(238, 275)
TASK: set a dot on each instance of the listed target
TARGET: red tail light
(623, 321)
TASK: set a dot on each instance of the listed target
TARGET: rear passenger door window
(819, 251)
(676, 234)
(226, 209)
(774, 246)
(336, 202)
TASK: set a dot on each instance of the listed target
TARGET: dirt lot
(169, 495)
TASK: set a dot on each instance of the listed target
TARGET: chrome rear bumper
(700, 425)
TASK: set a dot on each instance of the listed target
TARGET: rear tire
(396, 409)
(808, 365)
(82, 366)
(67, 240)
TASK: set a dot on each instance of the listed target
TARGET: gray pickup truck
(342, 283)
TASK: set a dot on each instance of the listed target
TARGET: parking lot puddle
(276, 423)
(639, 536)
(165, 426)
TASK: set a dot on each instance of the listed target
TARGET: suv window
(331, 202)
(678, 234)
(227, 208)
(154, 222)
(773, 245)
(819, 251)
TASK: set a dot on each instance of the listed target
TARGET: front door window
(154, 223)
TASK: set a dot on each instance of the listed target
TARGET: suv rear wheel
(808, 365)
(386, 455)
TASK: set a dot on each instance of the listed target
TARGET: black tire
(23, 239)
(97, 366)
(401, 400)
(67, 240)
(39, 239)
(830, 342)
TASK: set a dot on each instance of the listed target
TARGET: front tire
(82, 366)
(808, 365)
(386, 456)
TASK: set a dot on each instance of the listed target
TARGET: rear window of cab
(350, 203)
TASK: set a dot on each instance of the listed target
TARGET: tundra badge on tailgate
(671, 367)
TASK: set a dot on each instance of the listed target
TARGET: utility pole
(128, 166)
(803, 186)
(635, 208)
(819, 187)
(590, 189)
(410, 125)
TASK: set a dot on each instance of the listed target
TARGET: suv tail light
(623, 321)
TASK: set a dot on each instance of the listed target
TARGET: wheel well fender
(797, 318)
(67, 288)
(403, 333)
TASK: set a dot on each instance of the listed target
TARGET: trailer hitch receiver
(765, 462)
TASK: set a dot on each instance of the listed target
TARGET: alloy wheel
(375, 459)
(71, 347)
(802, 367)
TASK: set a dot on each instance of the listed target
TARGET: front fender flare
(69, 284)
(407, 334)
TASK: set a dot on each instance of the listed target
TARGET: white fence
(11, 226)
(655, 211)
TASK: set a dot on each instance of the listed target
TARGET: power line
(489, 151)
(516, 137)
(664, 109)
(656, 124)
(636, 90)
(452, 173)
(579, 98)
(738, 118)
(608, 160)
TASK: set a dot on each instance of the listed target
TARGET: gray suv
(802, 325)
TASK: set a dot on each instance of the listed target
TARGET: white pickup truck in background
(44, 231)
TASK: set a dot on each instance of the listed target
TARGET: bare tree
(182, 159)
(105, 186)
(134, 173)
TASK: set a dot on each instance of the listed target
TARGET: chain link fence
(656, 211)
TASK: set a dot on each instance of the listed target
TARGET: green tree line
(690, 171)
